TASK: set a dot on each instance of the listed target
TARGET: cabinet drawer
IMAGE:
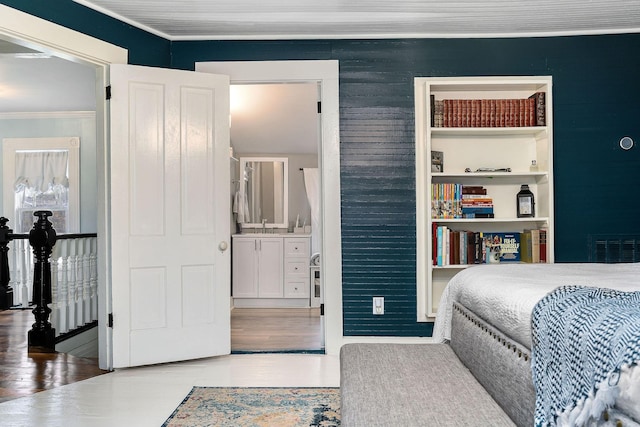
(296, 267)
(296, 247)
(296, 289)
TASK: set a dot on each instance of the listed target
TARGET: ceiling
(305, 19)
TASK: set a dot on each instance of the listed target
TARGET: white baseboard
(271, 302)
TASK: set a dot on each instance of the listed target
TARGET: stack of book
(454, 247)
(446, 200)
(489, 112)
(476, 203)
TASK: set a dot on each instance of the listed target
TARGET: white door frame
(326, 73)
(27, 30)
(30, 31)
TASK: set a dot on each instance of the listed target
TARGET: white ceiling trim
(358, 36)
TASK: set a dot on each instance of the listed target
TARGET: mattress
(504, 295)
(489, 291)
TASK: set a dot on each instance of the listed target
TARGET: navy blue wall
(596, 93)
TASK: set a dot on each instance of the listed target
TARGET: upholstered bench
(408, 385)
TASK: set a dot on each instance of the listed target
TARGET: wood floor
(275, 329)
(23, 373)
(260, 330)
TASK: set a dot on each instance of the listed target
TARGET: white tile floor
(140, 397)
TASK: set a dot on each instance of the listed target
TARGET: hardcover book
(504, 246)
(543, 245)
(525, 246)
(540, 119)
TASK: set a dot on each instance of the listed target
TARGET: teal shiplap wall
(596, 93)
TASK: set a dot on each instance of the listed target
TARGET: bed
(486, 314)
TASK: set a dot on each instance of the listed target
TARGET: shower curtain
(312, 186)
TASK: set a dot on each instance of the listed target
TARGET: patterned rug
(258, 407)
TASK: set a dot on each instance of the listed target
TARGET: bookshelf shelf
(489, 131)
(469, 138)
(491, 221)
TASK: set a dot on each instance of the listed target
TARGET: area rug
(258, 407)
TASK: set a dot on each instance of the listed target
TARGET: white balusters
(74, 280)
(60, 303)
(21, 271)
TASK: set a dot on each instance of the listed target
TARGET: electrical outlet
(378, 305)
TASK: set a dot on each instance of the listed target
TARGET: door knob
(223, 246)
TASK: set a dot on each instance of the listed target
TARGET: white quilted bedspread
(504, 295)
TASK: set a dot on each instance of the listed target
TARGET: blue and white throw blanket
(581, 338)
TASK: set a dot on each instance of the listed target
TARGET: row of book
(456, 247)
(489, 112)
(451, 200)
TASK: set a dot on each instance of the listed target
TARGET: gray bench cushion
(412, 385)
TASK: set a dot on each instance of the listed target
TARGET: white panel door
(170, 215)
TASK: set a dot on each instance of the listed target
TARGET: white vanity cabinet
(296, 267)
(270, 270)
(257, 267)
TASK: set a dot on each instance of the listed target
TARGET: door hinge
(321, 309)
(110, 320)
(108, 92)
(319, 107)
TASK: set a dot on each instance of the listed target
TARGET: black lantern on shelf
(525, 204)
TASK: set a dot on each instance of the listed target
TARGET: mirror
(264, 186)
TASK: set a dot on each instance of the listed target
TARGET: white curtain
(254, 189)
(312, 186)
(41, 182)
(39, 170)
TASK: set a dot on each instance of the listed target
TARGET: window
(41, 174)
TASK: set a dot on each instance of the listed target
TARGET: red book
(500, 113)
(484, 112)
(492, 113)
(522, 112)
(446, 113)
(434, 243)
(455, 115)
(543, 245)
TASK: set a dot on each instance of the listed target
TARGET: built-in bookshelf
(479, 140)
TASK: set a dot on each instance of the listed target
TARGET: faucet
(264, 225)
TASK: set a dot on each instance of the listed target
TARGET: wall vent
(614, 248)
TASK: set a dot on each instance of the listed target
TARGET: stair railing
(65, 300)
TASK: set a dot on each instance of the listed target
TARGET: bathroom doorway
(278, 120)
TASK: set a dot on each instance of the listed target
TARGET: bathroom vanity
(270, 270)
